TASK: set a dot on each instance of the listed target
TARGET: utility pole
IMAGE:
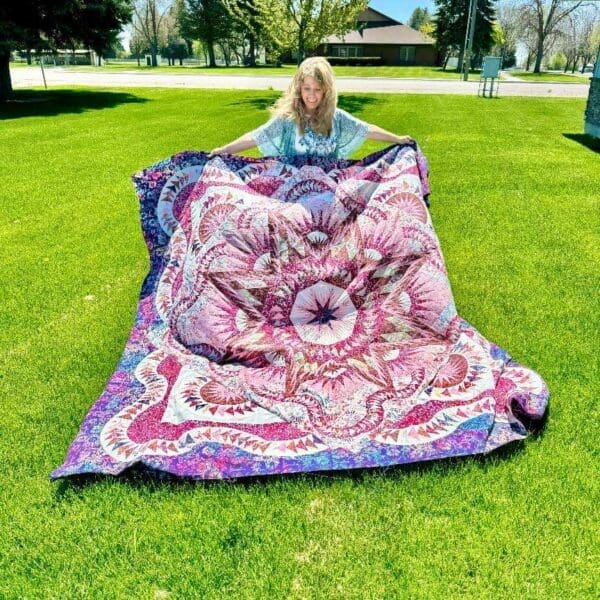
(469, 35)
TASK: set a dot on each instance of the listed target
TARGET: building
(379, 36)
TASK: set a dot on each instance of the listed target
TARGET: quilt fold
(297, 316)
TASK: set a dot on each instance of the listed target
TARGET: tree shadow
(140, 476)
(354, 103)
(585, 140)
(261, 103)
(50, 103)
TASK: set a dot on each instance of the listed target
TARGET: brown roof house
(379, 37)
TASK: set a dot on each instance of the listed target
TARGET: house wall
(392, 54)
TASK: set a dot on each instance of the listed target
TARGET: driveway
(27, 77)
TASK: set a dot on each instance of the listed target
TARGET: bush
(557, 61)
(355, 61)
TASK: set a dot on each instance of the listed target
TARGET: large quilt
(298, 316)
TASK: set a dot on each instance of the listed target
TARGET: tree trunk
(252, 61)
(28, 54)
(461, 60)
(226, 54)
(540, 53)
(300, 44)
(5, 82)
(211, 55)
(154, 53)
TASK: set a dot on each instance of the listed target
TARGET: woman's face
(312, 94)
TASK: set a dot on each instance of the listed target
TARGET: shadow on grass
(49, 103)
(139, 476)
(261, 103)
(354, 103)
(585, 140)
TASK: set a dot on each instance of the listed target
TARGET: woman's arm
(376, 133)
(244, 142)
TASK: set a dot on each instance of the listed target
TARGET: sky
(401, 9)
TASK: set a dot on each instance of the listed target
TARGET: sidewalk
(25, 77)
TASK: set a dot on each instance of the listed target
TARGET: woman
(306, 120)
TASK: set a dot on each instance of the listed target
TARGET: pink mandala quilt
(297, 316)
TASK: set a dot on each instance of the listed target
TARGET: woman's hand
(242, 143)
(377, 133)
(214, 152)
(405, 139)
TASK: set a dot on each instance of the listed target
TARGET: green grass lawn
(285, 70)
(515, 204)
(546, 77)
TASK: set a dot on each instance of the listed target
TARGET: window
(346, 51)
(407, 54)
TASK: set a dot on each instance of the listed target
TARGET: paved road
(26, 77)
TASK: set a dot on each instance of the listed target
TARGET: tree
(593, 42)
(301, 25)
(509, 19)
(177, 10)
(544, 18)
(313, 20)
(138, 46)
(420, 16)
(208, 21)
(148, 23)
(251, 22)
(51, 24)
(428, 29)
(173, 45)
(576, 34)
(451, 24)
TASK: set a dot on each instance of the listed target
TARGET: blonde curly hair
(290, 105)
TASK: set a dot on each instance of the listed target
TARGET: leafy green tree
(313, 20)
(207, 21)
(301, 25)
(428, 29)
(248, 17)
(51, 24)
(451, 26)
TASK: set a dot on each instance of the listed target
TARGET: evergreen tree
(245, 13)
(451, 19)
(419, 17)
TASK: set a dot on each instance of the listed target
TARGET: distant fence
(192, 62)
